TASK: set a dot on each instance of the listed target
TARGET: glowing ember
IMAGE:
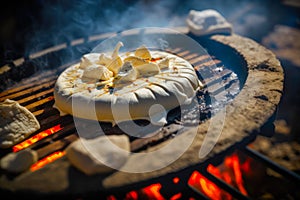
(176, 196)
(230, 171)
(233, 163)
(201, 183)
(36, 138)
(152, 191)
(111, 197)
(132, 195)
(176, 180)
(48, 159)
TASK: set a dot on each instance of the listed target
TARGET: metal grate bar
(183, 53)
(274, 166)
(56, 146)
(36, 80)
(38, 112)
(191, 56)
(199, 59)
(29, 91)
(39, 103)
(25, 101)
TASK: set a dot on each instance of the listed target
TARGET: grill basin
(261, 82)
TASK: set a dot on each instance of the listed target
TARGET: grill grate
(37, 96)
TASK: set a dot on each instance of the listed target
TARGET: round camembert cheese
(134, 85)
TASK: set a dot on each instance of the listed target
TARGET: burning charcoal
(208, 22)
(87, 155)
(20, 161)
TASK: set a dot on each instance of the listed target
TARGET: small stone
(99, 155)
(20, 161)
(207, 22)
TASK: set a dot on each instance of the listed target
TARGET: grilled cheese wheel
(138, 83)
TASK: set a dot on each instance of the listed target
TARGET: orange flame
(233, 162)
(176, 196)
(132, 195)
(201, 183)
(230, 171)
(152, 191)
(48, 159)
(36, 138)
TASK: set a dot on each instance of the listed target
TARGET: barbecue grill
(252, 78)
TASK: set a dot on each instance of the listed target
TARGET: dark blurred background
(26, 26)
(31, 25)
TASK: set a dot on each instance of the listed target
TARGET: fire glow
(48, 159)
(230, 171)
(149, 192)
(36, 138)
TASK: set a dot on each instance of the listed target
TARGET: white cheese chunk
(149, 69)
(89, 59)
(207, 22)
(98, 72)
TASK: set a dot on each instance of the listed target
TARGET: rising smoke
(40, 24)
